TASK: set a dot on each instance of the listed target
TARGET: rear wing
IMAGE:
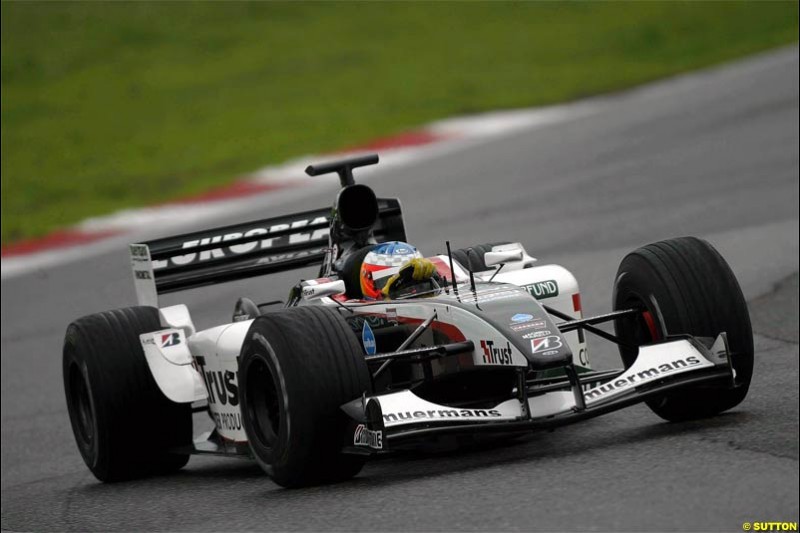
(244, 250)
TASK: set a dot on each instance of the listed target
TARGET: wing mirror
(321, 290)
(500, 257)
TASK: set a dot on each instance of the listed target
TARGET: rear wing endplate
(244, 250)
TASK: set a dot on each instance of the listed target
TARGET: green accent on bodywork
(543, 289)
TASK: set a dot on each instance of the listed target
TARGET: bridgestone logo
(439, 414)
(640, 378)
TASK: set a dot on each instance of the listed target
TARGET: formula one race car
(312, 387)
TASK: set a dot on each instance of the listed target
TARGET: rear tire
(123, 424)
(297, 367)
(686, 287)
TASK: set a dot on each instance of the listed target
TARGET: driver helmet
(381, 263)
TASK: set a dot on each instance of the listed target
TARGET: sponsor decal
(310, 287)
(368, 339)
(368, 437)
(223, 398)
(391, 315)
(357, 322)
(440, 414)
(543, 289)
(260, 243)
(138, 252)
(546, 345)
(521, 317)
(170, 339)
(228, 421)
(536, 324)
(496, 356)
(142, 274)
(222, 386)
(648, 374)
(537, 334)
(583, 357)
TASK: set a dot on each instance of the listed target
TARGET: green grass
(112, 105)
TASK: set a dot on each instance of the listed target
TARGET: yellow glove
(422, 269)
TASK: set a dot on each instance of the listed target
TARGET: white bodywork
(218, 349)
(654, 363)
(472, 327)
(190, 365)
(556, 287)
(405, 407)
(171, 364)
(202, 365)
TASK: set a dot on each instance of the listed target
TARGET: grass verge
(111, 105)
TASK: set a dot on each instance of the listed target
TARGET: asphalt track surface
(713, 154)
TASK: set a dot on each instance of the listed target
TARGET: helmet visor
(381, 277)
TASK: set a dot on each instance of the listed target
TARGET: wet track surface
(713, 155)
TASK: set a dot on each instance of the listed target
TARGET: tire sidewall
(258, 350)
(75, 362)
(137, 429)
(315, 365)
(669, 315)
(687, 288)
(628, 292)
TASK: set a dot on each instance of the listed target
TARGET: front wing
(402, 419)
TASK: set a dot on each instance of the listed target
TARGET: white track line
(453, 135)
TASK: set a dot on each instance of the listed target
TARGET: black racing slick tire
(472, 258)
(296, 368)
(684, 286)
(123, 424)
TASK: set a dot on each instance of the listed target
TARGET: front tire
(123, 424)
(297, 367)
(684, 286)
